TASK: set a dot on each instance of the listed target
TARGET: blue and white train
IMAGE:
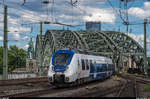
(72, 67)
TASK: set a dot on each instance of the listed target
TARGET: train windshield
(61, 59)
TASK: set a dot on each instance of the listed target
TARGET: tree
(16, 58)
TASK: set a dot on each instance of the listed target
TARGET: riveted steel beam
(108, 43)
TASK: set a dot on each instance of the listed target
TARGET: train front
(59, 67)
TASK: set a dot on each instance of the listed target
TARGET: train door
(98, 70)
(78, 67)
(107, 70)
(102, 70)
(95, 67)
(91, 69)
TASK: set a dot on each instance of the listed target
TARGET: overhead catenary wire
(115, 10)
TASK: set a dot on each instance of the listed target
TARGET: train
(75, 67)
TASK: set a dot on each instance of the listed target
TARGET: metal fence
(16, 75)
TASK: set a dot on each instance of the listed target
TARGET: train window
(90, 64)
(61, 59)
(83, 64)
(78, 63)
(106, 67)
(103, 67)
(95, 66)
(87, 65)
(109, 67)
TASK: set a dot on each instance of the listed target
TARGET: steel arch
(109, 43)
(127, 44)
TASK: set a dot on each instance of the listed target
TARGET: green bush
(16, 58)
(147, 87)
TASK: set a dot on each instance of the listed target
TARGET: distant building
(95, 26)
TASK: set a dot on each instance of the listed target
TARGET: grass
(147, 88)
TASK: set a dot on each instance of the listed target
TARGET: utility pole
(145, 48)
(41, 54)
(5, 49)
(100, 25)
(126, 4)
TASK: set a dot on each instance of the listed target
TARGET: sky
(106, 11)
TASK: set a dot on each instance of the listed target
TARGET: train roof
(85, 52)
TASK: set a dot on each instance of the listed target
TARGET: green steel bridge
(115, 45)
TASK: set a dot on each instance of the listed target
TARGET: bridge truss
(115, 45)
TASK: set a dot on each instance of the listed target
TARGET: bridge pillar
(121, 63)
(129, 61)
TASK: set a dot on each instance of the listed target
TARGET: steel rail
(22, 81)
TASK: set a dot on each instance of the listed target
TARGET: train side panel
(82, 68)
(72, 71)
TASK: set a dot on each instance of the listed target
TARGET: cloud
(18, 29)
(1, 38)
(15, 32)
(14, 24)
(33, 11)
(140, 39)
(26, 47)
(147, 5)
(103, 15)
(30, 16)
(91, 2)
(86, 10)
(26, 38)
(142, 12)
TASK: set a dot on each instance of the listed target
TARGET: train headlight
(52, 68)
(50, 78)
(67, 68)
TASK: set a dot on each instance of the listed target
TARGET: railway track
(52, 90)
(131, 89)
(102, 93)
(30, 93)
(138, 79)
(128, 90)
(37, 93)
(9, 82)
(121, 89)
(16, 86)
